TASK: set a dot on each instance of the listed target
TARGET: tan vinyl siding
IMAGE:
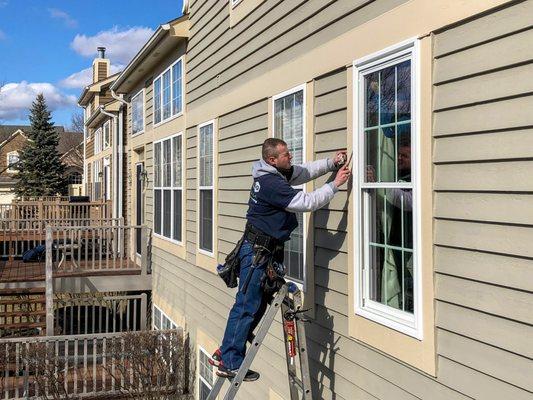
(274, 33)
(483, 227)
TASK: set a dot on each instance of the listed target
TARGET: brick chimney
(100, 66)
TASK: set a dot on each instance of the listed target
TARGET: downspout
(84, 152)
(120, 141)
(114, 199)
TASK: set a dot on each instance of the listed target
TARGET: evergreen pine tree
(40, 170)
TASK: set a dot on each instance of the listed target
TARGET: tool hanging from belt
(266, 250)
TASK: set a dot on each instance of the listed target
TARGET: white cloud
(80, 79)
(63, 16)
(16, 99)
(121, 45)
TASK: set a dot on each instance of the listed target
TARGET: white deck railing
(93, 365)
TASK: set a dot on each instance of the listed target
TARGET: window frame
(106, 145)
(235, 3)
(160, 78)
(363, 306)
(171, 188)
(212, 187)
(303, 87)
(10, 170)
(98, 141)
(143, 93)
(163, 315)
(200, 377)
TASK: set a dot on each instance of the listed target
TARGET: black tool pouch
(229, 271)
(275, 271)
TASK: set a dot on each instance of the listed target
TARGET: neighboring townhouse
(419, 274)
(152, 85)
(13, 138)
(104, 117)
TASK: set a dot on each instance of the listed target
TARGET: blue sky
(48, 46)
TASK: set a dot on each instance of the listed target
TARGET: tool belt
(266, 249)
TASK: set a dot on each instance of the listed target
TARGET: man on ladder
(259, 254)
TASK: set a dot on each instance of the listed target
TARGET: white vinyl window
(137, 113)
(387, 212)
(12, 160)
(206, 374)
(97, 180)
(168, 188)
(98, 141)
(161, 321)
(168, 93)
(107, 179)
(289, 125)
(206, 170)
(107, 135)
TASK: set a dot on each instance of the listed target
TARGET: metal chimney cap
(101, 52)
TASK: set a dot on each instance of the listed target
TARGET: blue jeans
(246, 312)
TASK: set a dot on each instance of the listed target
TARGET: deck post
(49, 284)
(144, 250)
(144, 311)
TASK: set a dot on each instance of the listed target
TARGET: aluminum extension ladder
(289, 299)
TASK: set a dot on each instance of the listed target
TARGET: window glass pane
(157, 164)
(166, 163)
(157, 100)
(157, 211)
(107, 135)
(166, 94)
(204, 391)
(177, 161)
(387, 100)
(167, 205)
(390, 241)
(177, 217)
(206, 370)
(157, 318)
(176, 88)
(206, 155)
(206, 219)
(137, 113)
(288, 125)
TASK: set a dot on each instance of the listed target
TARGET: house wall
(483, 225)
(477, 138)
(16, 143)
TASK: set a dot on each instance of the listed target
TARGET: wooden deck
(19, 271)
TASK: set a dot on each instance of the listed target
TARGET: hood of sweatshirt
(261, 167)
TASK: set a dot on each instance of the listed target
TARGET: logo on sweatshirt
(257, 186)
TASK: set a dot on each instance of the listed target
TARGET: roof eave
(176, 29)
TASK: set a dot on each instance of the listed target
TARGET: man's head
(404, 155)
(276, 153)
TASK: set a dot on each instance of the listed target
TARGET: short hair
(270, 147)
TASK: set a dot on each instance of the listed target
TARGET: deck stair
(22, 312)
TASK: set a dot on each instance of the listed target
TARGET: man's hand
(342, 177)
(340, 158)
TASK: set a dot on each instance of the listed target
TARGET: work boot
(230, 374)
(216, 358)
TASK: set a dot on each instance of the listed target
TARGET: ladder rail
(296, 386)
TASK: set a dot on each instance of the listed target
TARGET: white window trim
(160, 76)
(108, 125)
(143, 92)
(303, 87)
(98, 141)
(9, 154)
(171, 188)
(202, 350)
(163, 314)
(212, 187)
(235, 3)
(406, 323)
